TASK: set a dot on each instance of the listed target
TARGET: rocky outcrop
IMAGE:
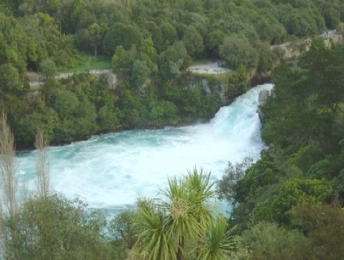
(262, 98)
(112, 80)
(209, 86)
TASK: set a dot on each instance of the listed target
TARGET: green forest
(287, 205)
(149, 45)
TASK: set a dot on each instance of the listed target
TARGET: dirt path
(209, 68)
(36, 79)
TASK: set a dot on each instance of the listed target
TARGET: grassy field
(88, 62)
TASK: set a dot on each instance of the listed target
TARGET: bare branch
(8, 167)
(42, 164)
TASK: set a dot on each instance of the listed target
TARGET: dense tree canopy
(297, 182)
(151, 44)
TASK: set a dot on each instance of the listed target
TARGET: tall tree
(48, 68)
(96, 34)
(121, 34)
(236, 51)
(42, 165)
(8, 167)
(8, 203)
(183, 224)
(193, 42)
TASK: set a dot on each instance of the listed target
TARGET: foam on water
(112, 170)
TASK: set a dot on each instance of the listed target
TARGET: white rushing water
(110, 171)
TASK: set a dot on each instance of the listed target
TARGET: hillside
(150, 44)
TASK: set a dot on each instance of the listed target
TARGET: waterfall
(110, 171)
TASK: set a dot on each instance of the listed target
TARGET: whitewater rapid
(111, 171)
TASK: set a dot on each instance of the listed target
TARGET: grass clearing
(35, 88)
(88, 62)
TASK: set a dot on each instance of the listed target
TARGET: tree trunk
(42, 167)
(179, 254)
(7, 167)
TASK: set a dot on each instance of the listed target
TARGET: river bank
(211, 79)
(111, 170)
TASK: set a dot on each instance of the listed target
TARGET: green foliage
(96, 34)
(47, 120)
(11, 83)
(332, 17)
(66, 102)
(183, 224)
(243, 29)
(54, 226)
(11, 31)
(267, 58)
(269, 29)
(268, 241)
(193, 42)
(47, 68)
(212, 42)
(88, 62)
(123, 232)
(154, 241)
(147, 48)
(107, 119)
(304, 160)
(295, 191)
(86, 124)
(227, 186)
(50, 43)
(168, 34)
(238, 51)
(31, 7)
(323, 225)
(163, 112)
(139, 74)
(171, 61)
(122, 61)
(299, 23)
(123, 35)
(218, 242)
(315, 100)
(191, 103)
(302, 123)
(237, 83)
(258, 177)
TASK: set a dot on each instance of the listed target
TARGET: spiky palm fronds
(218, 243)
(155, 241)
(200, 190)
(182, 221)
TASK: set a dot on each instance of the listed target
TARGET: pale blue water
(112, 170)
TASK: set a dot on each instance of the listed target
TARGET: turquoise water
(110, 171)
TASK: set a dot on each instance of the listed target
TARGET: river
(111, 171)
